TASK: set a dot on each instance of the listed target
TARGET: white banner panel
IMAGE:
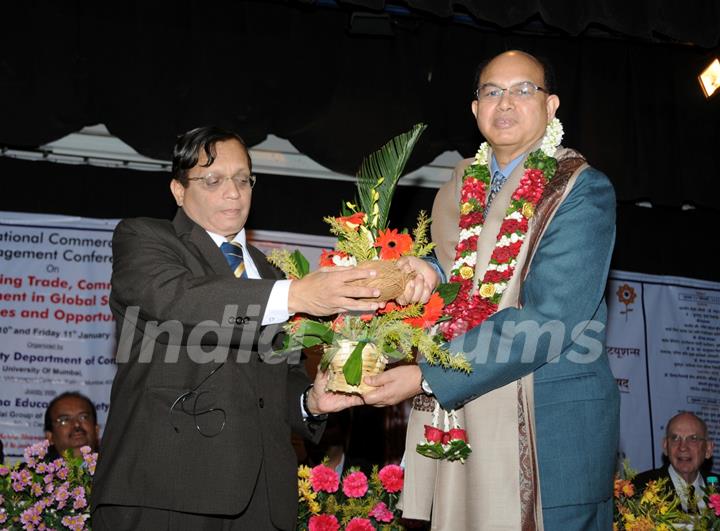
(664, 349)
(56, 330)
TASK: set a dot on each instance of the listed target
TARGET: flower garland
(470, 308)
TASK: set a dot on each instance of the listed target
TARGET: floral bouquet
(354, 504)
(655, 508)
(363, 344)
(45, 494)
(708, 518)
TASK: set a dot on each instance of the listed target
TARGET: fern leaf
(379, 174)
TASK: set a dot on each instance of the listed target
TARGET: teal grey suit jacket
(576, 396)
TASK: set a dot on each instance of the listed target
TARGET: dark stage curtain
(149, 71)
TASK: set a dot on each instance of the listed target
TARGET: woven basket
(390, 280)
(373, 363)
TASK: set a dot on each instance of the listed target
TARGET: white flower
(516, 215)
(553, 137)
(481, 157)
(502, 267)
(468, 260)
(468, 233)
(348, 261)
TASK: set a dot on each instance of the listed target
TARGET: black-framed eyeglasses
(690, 440)
(66, 420)
(524, 89)
(214, 182)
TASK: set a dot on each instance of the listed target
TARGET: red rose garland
(469, 309)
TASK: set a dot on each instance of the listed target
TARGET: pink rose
(359, 524)
(714, 502)
(323, 522)
(324, 479)
(355, 485)
(381, 513)
(391, 477)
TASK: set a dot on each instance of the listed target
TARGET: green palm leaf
(379, 174)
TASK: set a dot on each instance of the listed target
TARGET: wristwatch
(426, 387)
(309, 416)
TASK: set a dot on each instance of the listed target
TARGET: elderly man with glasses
(198, 433)
(687, 446)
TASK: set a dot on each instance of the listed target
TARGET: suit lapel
(261, 263)
(196, 237)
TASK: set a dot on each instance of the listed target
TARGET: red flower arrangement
(356, 503)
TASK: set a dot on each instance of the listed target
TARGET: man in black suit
(687, 446)
(198, 433)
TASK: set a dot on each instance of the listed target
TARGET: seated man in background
(687, 446)
(71, 422)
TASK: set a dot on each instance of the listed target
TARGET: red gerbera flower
(431, 313)
(392, 244)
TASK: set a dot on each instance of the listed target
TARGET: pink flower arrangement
(47, 494)
(351, 503)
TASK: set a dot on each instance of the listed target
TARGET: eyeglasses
(66, 420)
(213, 182)
(690, 440)
(522, 90)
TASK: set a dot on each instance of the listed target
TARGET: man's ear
(709, 450)
(178, 191)
(474, 107)
(551, 106)
(49, 437)
(665, 446)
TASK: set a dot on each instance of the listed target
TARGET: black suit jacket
(185, 323)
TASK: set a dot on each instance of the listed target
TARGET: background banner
(664, 349)
(57, 333)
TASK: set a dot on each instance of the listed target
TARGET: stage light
(710, 78)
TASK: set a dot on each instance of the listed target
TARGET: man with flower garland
(198, 433)
(527, 230)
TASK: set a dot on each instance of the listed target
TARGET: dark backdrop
(311, 73)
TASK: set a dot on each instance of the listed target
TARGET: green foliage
(421, 245)
(379, 174)
(293, 265)
(357, 243)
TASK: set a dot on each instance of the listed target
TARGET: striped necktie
(234, 255)
(498, 179)
(692, 502)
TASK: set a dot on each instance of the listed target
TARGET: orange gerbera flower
(352, 222)
(326, 257)
(392, 244)
(431, 313)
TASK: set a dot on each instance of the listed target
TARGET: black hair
(186, 152)
(69, 394)
(548, 71)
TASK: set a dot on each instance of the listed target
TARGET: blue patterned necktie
(498, 179)
(234, 255)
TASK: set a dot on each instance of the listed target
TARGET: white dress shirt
(276, 310)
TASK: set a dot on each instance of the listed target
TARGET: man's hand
(320, 401)
(325, 292)
(421, 287)
(394, 385)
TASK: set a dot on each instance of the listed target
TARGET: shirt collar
(239, 238)
(508, 169)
